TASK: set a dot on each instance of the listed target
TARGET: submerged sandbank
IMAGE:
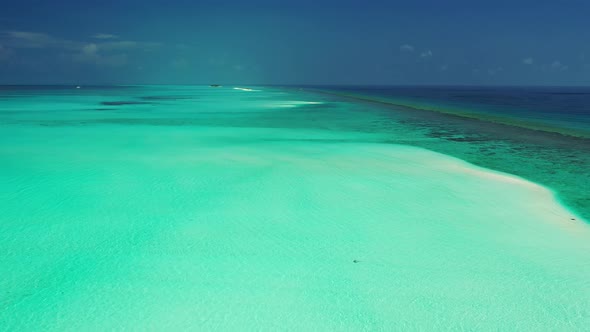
(552, 159)
(231, 212)
(255, 234)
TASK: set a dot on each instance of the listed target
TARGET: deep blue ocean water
(565, 108)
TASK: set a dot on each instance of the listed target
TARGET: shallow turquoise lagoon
(196, 208)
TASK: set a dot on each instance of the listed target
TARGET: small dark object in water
(355, 261)
(573, 219)
(215, 85)
(119, 103)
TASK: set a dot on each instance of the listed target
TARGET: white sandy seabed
(281, 235)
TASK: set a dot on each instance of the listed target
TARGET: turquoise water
(179, 207)
(513, 130)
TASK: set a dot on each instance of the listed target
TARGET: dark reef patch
(167, 98)
(120, 103)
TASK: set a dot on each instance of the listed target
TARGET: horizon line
(299, 85)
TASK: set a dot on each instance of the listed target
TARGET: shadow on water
(170, 98)
(121, 103)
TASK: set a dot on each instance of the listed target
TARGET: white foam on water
(245, 89)
(294, 103)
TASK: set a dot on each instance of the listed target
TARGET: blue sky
(304, 42)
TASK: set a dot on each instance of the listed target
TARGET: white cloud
(127, 45)
(26, 39)
(406, 48)
(30, 36)
(91, 53)
(528, 61)
(557, 65)
(426, 54)
(105, 36)
(119, 45)
(105, 50)
(90, 49)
